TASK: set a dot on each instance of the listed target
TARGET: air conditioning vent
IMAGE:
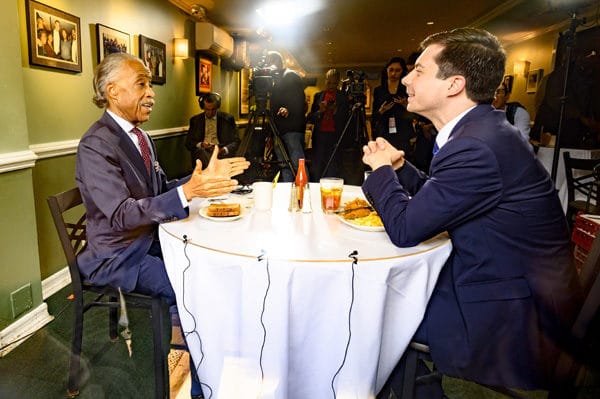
(214, 39)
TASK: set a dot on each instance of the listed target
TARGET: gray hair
(108, 72)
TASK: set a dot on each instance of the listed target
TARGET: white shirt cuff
(184, 202)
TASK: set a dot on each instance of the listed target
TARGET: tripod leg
(243, 148)
(279, 145)
(335, 149)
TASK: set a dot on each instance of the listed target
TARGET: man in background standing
(288, 109)
(328, 113)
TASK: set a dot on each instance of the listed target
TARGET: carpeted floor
(38, 368)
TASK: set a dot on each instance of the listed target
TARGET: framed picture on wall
(153, 53)
(508, 82)
(110, 41)
(244, 94)
(53, 37)
(203, 75)
(533, 80)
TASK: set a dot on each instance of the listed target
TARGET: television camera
(354, 86)
(262, 138)
(262, 82)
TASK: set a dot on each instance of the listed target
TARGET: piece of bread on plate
(223, 210)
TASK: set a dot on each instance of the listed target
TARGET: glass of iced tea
(331, 193)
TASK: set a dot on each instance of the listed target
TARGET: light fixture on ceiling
(199, 11)
(180, 48)
(521, 68)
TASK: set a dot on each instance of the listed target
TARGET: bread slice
(223, 210)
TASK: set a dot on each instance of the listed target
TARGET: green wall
(42, 108)
(18, 235)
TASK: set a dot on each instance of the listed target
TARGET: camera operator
(328, 113)
(392, 121)
(287, 107)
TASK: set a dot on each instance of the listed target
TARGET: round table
(275, 307)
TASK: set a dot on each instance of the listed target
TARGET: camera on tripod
(262, 82)
(354, 86)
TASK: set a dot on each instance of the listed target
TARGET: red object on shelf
(584, 231)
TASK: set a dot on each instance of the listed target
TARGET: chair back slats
(72, 235)
(77, 234)
(582, 182)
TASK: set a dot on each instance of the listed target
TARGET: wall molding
(55, 282)
(17, 332)
(11, 161)
(17, 160)
(13, 335)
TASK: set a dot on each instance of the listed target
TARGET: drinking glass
(331, 193)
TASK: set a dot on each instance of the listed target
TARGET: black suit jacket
(226, 134)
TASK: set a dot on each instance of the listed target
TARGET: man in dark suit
(505, 300)
(124, 189)
(210, 128)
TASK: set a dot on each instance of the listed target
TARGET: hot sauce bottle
(301, 181)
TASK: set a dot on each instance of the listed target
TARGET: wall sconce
(521, 68)
(180, 48)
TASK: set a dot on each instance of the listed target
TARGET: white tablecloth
(267, 298)
(546, 154)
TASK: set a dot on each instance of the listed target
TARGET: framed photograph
(244, 95)
(203, 75)
(111, 41)
(533, 80)
(508, 82)
(53, 37)
(154, 53)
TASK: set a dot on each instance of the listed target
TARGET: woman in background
(392, 121)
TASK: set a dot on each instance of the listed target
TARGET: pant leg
(294, 145)
(153, 278)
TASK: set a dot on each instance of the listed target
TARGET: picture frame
(244, 94)
(203, 75)
(42, 22)
(110, 40)
(508, 82)
(153, 53)
(533, 80)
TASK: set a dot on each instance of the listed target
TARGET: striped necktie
(436, 147)
(144, 149)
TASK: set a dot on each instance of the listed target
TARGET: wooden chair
(73, 239)
(570, 368)
(584, 184)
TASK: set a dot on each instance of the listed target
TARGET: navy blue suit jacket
(507, 293)
(124, 204)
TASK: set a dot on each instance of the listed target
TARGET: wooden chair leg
(161, 369)
(410, 372)
(76, 339)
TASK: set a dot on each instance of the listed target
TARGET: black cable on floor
(354, 256)
(194, 330)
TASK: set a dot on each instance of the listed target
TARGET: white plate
(360, 227)
(203, 212)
